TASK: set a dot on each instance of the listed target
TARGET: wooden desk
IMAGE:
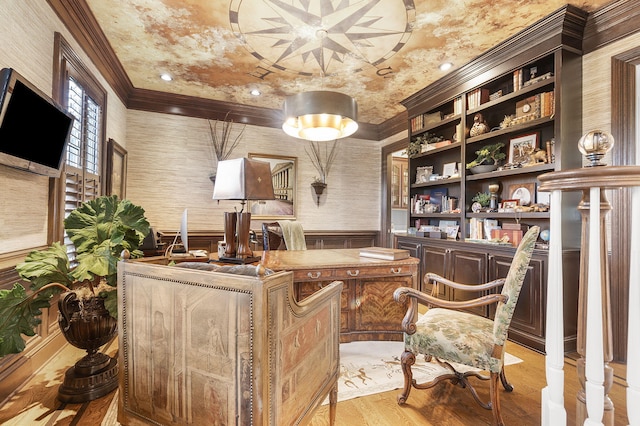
(368, 311)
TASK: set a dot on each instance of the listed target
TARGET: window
(82, 171)
(77, 90)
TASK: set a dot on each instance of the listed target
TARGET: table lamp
(241, 179)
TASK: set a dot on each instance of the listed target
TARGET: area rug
(368, 368)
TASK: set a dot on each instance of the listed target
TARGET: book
(384, 253)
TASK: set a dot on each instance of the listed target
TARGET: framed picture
(452, 232)
(525, 193)
(509, 204)
(423, 173)
(449, 169)
(520, 147)
(283, 176)
(116, 179)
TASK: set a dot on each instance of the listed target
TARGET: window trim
(67, 63)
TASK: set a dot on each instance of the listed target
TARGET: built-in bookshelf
(524, 95)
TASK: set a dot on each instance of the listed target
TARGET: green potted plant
(415, 146)
(100, 230)
(487, 158)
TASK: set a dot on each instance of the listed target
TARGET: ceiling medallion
(283, 36)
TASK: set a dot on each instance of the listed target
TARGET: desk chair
(450, 335)
(272, 238)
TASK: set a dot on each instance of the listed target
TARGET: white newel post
(594, 372)
(633, 336)
(553, 411)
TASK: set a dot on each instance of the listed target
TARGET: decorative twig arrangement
(221, 138)
(322, 159)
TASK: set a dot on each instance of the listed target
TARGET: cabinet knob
(396, 270)
(314, 275)
(353, 273)
(357, 303)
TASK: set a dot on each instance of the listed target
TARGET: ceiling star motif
(377, 51)
(322, 37)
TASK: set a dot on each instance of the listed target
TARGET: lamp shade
(320, 115)
(243, 179)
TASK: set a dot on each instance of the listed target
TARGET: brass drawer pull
(358, 303)
(396, 271)
(353, 273)
(314, 275)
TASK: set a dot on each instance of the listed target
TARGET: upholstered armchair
(450, 335)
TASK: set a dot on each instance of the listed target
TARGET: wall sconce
(319, 188)
(241, 179)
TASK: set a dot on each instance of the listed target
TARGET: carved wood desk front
(368, 311)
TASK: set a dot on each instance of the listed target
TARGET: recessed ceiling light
(445, 66)
(166, 77)
(255, 92)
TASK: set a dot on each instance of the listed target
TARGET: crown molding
(610, 23)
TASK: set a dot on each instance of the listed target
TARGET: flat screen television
(34, 130)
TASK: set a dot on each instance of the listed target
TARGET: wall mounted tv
(34, 130)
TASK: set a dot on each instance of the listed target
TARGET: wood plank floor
(36, 403)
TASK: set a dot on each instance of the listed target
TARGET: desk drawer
(313, 275)
(376, 271)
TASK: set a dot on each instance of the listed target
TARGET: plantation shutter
(82, 169)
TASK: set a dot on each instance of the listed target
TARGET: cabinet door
(304, 289)
(434, 259)
(404, 185)
(377, 313)
(467, 267)
(527, 325)
(396, 173)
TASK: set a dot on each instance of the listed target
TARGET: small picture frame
(521, 146)
(525, 193)
(423, 174)
(510, 204)
(449, 169)
(452, 232)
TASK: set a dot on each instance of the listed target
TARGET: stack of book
(384, 253)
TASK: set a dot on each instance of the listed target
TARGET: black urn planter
(319, 188)
(87, 325)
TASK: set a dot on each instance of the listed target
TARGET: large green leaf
(101, 229)
(42, 267)
(19, 314)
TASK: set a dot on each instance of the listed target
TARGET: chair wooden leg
(333, 403)
(495, 399)
(407, 360)
(505, 383)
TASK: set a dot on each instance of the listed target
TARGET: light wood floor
(36, 403)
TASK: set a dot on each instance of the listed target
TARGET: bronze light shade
(320, 115)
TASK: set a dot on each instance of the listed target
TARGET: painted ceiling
(377, 51)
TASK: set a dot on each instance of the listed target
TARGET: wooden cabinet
(467, 267)
(472, 263)
(526, 89)
(399, 183)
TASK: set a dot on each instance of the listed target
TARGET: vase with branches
(222, 142)
(322, 159)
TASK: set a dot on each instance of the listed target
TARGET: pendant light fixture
(320, 115)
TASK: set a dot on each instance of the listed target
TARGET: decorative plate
(523, 195)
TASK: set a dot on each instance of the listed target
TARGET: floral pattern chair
(450, 335)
